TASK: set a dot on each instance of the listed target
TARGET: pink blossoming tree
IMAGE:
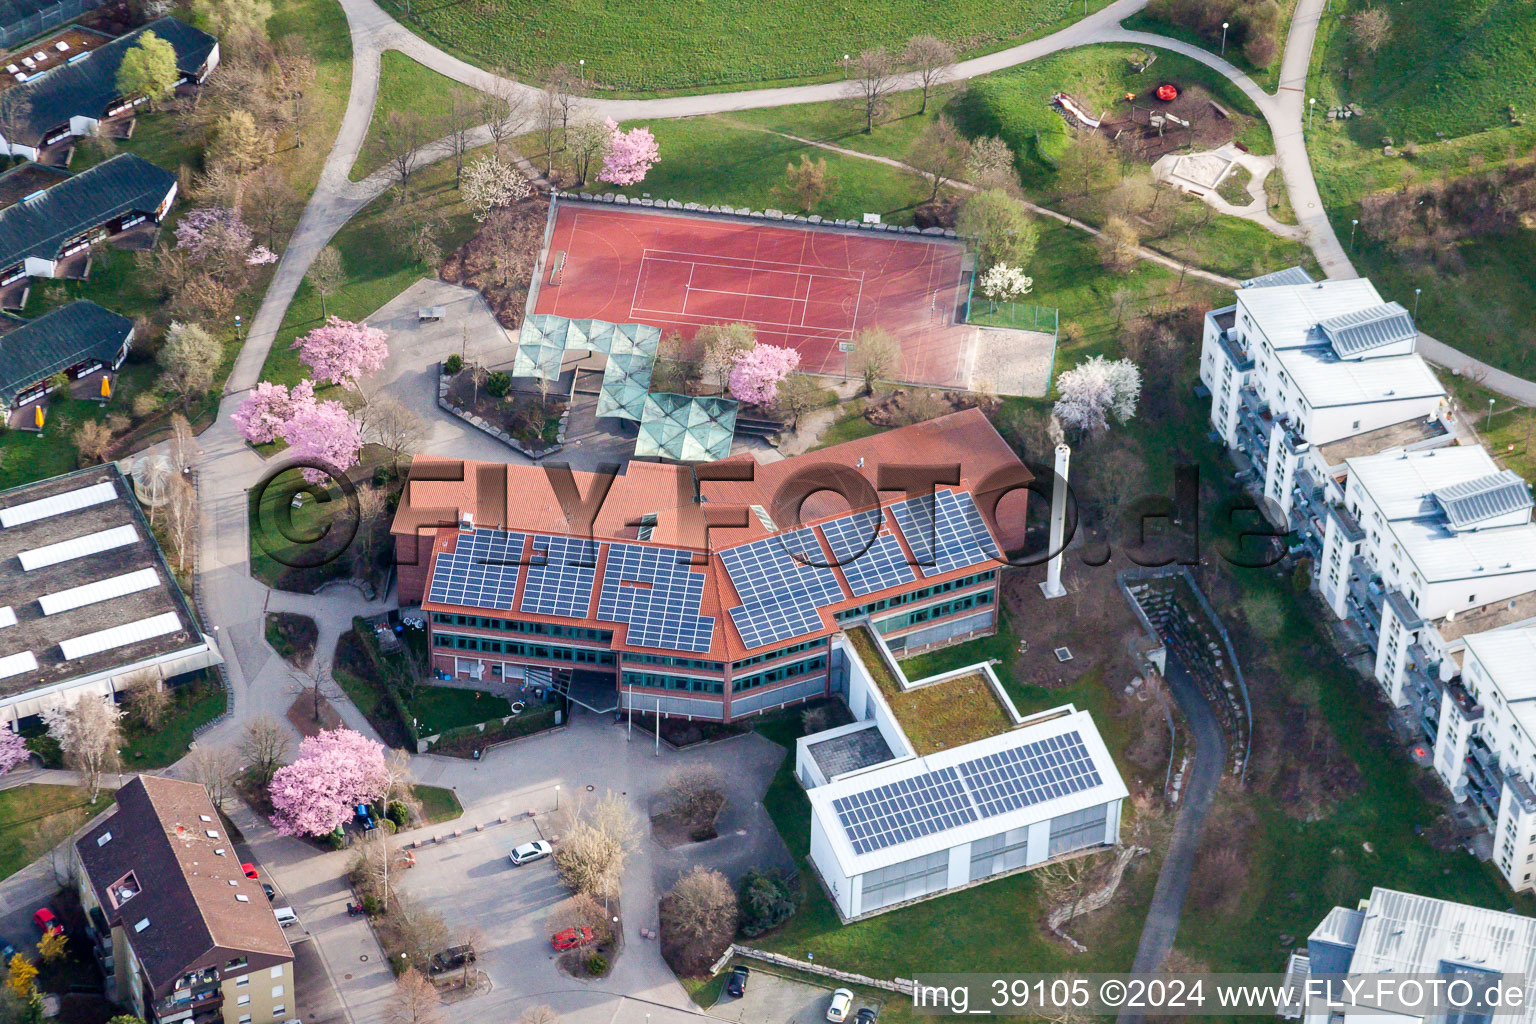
(214, 232)
(342, 352)
(630, 155)
(323, 432)
(13, 750)
(335, 771)
(262, 416)
(759, 371)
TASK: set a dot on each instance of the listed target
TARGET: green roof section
(686, 429)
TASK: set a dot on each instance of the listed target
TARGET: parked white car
(842, 1002)
(536, 850)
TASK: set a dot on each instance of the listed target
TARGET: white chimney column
(1052, 587)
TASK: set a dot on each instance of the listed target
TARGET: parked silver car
(536, 850)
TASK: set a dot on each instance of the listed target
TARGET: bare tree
(416, 1001)
(183, 443)
(373, 866)
(93, 441)
(88, 732)
(721, 344)
(147, 697)
(547, 118)
(311, 685)
(509, 243)
(397, 142)
(698, 917)
(326, 274)
(563, 80)
(460, 119)
(216, 767)
(503, 109)
(939, 154)
(181, 521)
(264, 747)
(422, 931)
(932, 59)
(371, 511)
(694, 791)
(874, 78)
(292, 79)
(396, 427)
(875, 351)
(270, 203)
(586, 141)
(1368, 29)
(798, 394)
(592, 855)
(538, 1015)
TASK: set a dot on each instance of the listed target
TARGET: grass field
(405, 85)
(35, 818)
(377, 262)
(1267, 77)
(437, 804)
(438, 708)
(1485, 309)
(192, 705)
(701, 46)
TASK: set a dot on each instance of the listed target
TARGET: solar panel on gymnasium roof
(561, 571)
(945, 532)
(656, 592)
(984, 787)
(867, 565)
(480, 572)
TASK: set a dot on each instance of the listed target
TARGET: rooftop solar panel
(480, 572)
(656, 592)
(902, 811)
(945, 532)
(1022, 776)
(779, 592)
(560, 574)
(868, 565)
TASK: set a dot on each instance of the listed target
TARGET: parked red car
(571, 938)
(46, 921)
(250, 870)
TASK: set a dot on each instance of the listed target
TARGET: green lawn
(437, 708)
(699, 46)
(33, 819)
(1267, 77)
(287, 541)
(405, 85)
(437, 804)
(377, 263)
(192, 705)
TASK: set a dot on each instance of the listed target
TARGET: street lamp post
(583, 63)
(1224, 38)
(1354, 223)
(557, 796)
(845, 66)
(1310, 104)
(1490, 414)
(1416, 292)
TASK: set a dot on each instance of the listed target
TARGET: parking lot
(509, 904)
(774, 999)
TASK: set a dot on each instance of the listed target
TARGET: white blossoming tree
(1004, 283)
(1095, 390)
(489, 183)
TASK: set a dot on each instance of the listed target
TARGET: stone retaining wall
(490, 428)
(619, 199)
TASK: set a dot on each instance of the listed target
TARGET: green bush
(597, 965)
(766, 900)
(380, 476)
(398, 813)
(335, 840)
(498, 384)
(371, 905)
(453, 364)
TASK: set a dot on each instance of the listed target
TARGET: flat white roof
(120, 636)
(1442, 556)
(1328, 381)
(1506, 656)
(1289, 315)
(58, 504)
(101, 590)
(972, 820)
(79, 547)
(1405, 933)
(1401, 483)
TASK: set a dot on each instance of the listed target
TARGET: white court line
(681, 256)
(804, 329)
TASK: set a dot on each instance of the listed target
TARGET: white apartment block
(1304, 375)
(1426, 548)
(1402, 933)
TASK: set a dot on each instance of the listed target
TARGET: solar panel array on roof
(1358, 332)
(902, 811)
(779, 592)
(480, 572)
(867, 565)
(1487, 497)
(58, 504)
(945, 532)
(560, 575)
(1022, 776)
(983, 787)
(656, 592)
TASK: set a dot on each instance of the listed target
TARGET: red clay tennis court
(806, 287)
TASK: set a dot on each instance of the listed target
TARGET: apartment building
(1426, 548)
(1304, 375)
(1404, 934)
(181, 933)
